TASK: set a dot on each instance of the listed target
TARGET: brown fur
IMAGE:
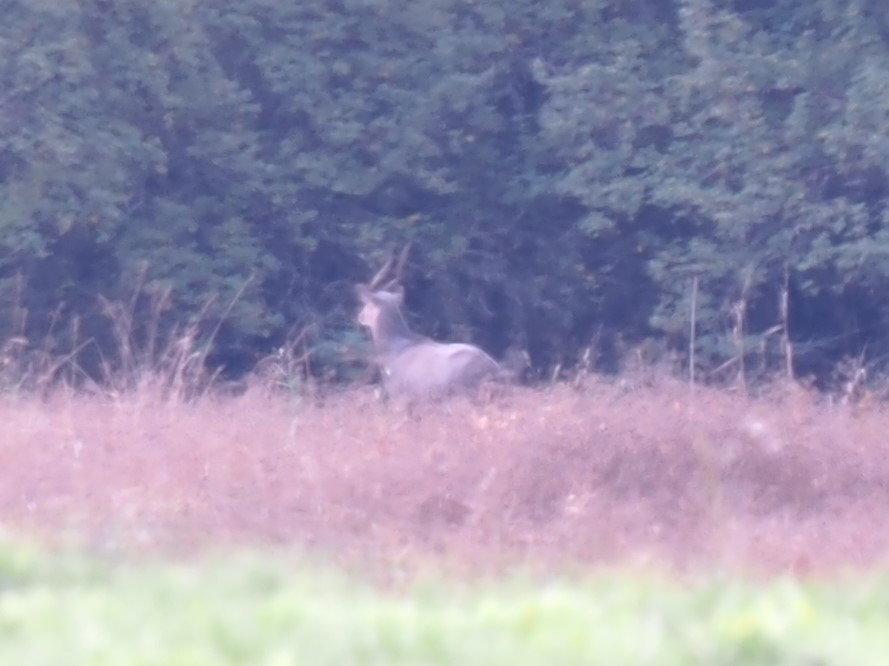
(413, 365)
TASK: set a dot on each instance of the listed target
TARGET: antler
(383, 273)
(399, 267)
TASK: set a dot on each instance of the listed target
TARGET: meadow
(272, 609)
(602, 521)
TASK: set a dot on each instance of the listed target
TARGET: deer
(411, 364)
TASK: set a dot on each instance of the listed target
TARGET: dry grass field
(604, 473)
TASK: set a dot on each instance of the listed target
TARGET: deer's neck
(392, 334)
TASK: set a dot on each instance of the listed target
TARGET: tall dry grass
(599, 472)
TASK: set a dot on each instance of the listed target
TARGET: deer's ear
(398, 292)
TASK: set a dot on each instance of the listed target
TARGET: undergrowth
(595, 472)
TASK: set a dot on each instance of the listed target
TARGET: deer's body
(413, 365)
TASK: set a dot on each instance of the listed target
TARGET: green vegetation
(565, 172)
(270, 609)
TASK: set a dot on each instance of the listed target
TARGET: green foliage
(752, 150)
(563, 171)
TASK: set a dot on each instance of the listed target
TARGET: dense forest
(577, 179)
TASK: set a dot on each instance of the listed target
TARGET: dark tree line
(564, 171)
